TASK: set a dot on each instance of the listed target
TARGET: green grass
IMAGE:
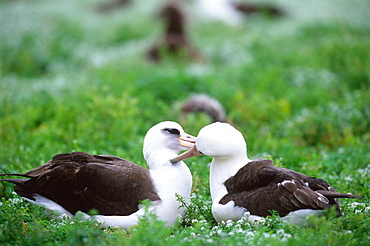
(297, 88)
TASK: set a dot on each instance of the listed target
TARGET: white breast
(169, 181)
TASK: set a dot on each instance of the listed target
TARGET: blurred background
(95, 75)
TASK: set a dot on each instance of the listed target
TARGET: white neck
(222, 168)
(156, 159)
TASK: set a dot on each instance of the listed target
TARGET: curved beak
(189, 142)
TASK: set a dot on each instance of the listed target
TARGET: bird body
(113, 186)
(242, 186)
(205, 104)
(175, 41)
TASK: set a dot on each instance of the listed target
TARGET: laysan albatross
(240, 186)
(115, 187)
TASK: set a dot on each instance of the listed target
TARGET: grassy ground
(298, 88)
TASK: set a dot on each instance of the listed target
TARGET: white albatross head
(164, 141)
(219, 140)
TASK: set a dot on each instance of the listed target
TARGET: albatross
(175, 41)
(113, 186)
(243, 187)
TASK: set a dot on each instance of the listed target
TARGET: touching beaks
(192, 152)
(187, 140)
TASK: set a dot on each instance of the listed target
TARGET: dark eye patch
(172, 131)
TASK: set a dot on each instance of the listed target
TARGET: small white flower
(229, 223)
(240, 230)
(357, 204)
(15, 200)
(347, 178)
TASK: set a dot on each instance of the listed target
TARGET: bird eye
(172, 131)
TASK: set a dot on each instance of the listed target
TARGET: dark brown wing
(261, 188)
(253, 175)
(79, 181)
